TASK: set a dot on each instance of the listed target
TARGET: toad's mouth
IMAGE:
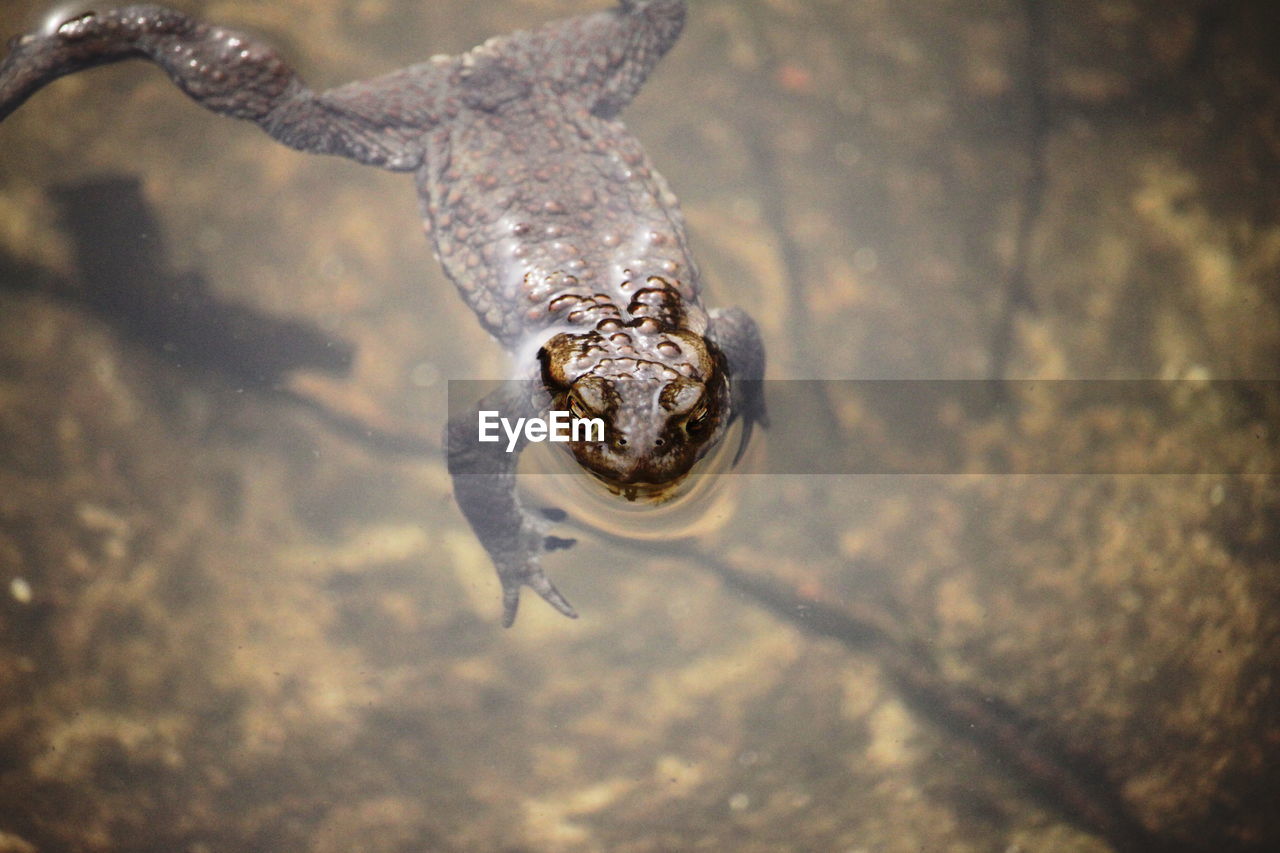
(698, 502)
(655, 493)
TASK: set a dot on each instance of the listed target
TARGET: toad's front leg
(378, 122)
(736, 335)
(484, 485)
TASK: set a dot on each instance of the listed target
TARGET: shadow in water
(124, 278)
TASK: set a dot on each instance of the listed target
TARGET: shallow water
(246, 615)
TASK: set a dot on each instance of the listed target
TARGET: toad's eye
(698, 420)
(577, 408)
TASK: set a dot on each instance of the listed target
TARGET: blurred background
(240, 611)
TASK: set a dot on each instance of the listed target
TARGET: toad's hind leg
(602, 59)
(377, 122)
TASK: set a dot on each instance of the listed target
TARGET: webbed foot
(529, 574)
